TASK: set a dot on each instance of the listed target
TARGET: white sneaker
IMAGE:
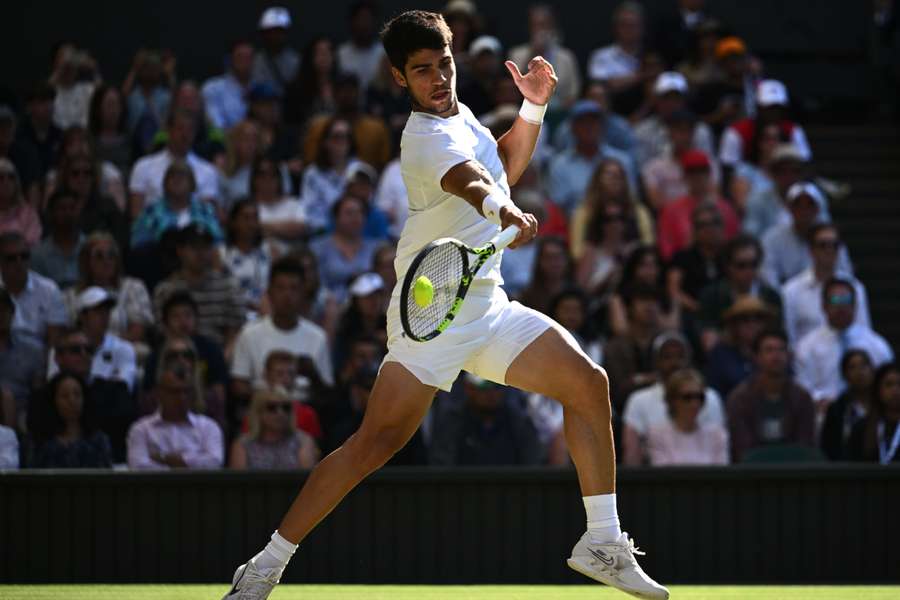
(613, 563)
(249, 583)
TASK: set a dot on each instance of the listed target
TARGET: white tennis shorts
(485, 337)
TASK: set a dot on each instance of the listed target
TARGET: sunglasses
(76, 349)
(692, 397)
(745, 264)
(840, 300)
(182, 354)
(274, 407)
(17, 257)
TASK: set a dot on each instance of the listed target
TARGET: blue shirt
(51, 261)
(224, 98)
(570, 173)
(158, 217)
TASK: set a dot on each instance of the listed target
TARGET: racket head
(445, 263)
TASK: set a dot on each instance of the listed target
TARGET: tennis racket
(449, 265)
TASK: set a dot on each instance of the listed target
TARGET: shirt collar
(157, 419)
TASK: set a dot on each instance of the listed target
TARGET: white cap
(361, 168)
(366, 284)
(804, 188)
(486, 42)
(771, 92)
(670, 81)
(275, 17)
(92, 297)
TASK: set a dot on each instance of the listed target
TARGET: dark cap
(193, 233)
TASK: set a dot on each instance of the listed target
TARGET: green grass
(350, 592)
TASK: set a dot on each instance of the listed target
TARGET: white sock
(276, 554)
(602, 518)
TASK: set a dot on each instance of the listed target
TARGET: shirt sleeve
(139, 450)
(57, 314)
(429, 156)
(214, 109)
(138, 183)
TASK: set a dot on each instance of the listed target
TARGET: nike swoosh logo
(603, 557)
(234, 588)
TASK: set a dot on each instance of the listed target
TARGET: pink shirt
(706, 445)
(22, 219)
(675, 230)
(199, 441)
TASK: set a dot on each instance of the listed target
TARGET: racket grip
(505, 237)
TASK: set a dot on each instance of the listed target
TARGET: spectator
(225, 95)
(730, 360)
(283, 219)
(66, 435)
(851, 407)
(642, 269)
(803, 292)
(646, 408)
(770, 408)
(23, 155)
(177, 208)
(730, 94)
(371, 137)
(545, 39)
(786, 245)
(281, 375)
(273, 441)
(247, 256)
(675, 32)
(387, 100)
(383, 266)
(819, 352)
(700, 66)
(570, 171)
(174, 437)
(38, 129)
(148, 176)
(360, 182)
(741, 259)
(276, 63)
(554, 271)
(76, 147)
(365, 316)
(219, 310)
(74, 77)
(208, 141)
(313, 91)
(108, 127)
(674, 226)
(465, 24)
(609, 185)
(682, 439)
(242, 149)
(698, 265)
(147, 88)
(765, 206)
(9, 448)
(877, 437)
(617, 132)
(476, 89)
(670, 93)
(600, 267)
(752, 175)
(485, 428)
(619, 63)
(325, 176)
(16, 214)
(277, 139)
(361, 55)
(344, 253)
(284, 329)
(317, 303)
(391, 198)
(40, 311)
(21, 367)
(56, 256)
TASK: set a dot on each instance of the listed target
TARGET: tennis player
(458, 177)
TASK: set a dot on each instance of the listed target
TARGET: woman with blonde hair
(15, 213)
(273, 440)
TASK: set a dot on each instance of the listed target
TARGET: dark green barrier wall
(749, 525)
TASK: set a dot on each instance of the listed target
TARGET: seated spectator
(37, 128)
(150, 172)
(383, 266)
(730, 360)
(770, 408)
(208, 142)
(16, 213)
(273, 442)
(360, 182)
(247, 256)
(818, 354)
(224, 95)
(23, 156)
(344, 253)
(220, 313)
(176, 209)
(361, 54)
(74, 76)
(64, 430)
(877, 437)
(276, 62)
(40, 311)
(465, 23)
(617, 132)
(553, 273)
(283, 329)
(699, 65)
(730, 94)
(741, 260)
(851, 407)
(642, 269)
(682, 439)
(670, 92)
(282, 374)
(646, 407)
(317, 303)
(282, 218)
(765, 205)
(276, 138)
(802, 293)
(619, 63)
(9, 448)
(476, 89)
(752, 177)
(607, 244)
(174, 437)
(21, 367)
(545, 40)
(485, 428)
(389, 101)
(243, 146)
(786, 245)
(312, 92)
(700, 264)
(108, 127)
(674, 226)
(365, 316)
(147, 87)
(56, 256)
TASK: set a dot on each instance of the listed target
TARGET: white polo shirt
(261, 337)
(114, 360)
(148, 173)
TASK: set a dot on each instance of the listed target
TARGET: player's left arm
(517, 145)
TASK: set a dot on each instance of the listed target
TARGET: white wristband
(492, 204)
(532, 113)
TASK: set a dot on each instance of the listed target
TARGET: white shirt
(148, 173)
(9, 449)
(818, 356)
(391, 197)
(114, 360)
(70, 106)
(802, 304)
(286, 209)
(199, 441)
(786, 254)
(612, 62)
(731, 148)
(38, 306)
(261, 337)
(362, 62)
(647, 408)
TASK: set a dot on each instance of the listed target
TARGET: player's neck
(450, 112)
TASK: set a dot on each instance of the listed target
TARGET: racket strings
(444, 267)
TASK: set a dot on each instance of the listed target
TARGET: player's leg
(396, 407)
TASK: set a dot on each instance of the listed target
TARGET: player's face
(430, 78)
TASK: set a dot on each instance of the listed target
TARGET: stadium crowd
(195, 274)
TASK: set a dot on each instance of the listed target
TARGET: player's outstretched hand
(526, 222)
(538, 84)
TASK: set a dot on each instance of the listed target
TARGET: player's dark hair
(412, 31)
(286, 265)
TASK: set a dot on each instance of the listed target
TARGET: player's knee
(378, 447)
(590, 392)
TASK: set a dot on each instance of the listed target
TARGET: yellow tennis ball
(423, 291)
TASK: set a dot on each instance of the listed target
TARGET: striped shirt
(218, 298)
